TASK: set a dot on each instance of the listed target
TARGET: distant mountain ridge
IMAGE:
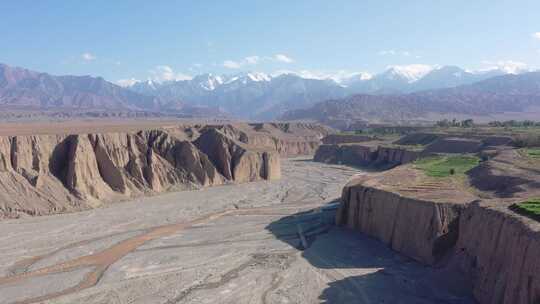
(261, 96)
(246, 95)
(497, 95)
(256, 96)
(24, 88)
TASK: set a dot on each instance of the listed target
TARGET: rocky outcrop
(47, 174)
(234, 161)
(83, 177)
(495, 249)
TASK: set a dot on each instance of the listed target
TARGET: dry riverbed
(264, 242)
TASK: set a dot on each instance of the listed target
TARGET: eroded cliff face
(356, 155)
(288, 139)
(395, 156)
(363, 155)
(501, 250)
(47, 174)
(496, 249)
(420, 229)
(334, 139)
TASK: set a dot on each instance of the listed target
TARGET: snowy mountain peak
(248, 77)
(410, 73)
(208, 82)
(259, 77)
(349, 79)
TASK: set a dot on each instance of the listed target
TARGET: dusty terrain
(247, 243)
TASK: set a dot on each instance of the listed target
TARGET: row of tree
(445, 123)
(515, 123)
(469, 123)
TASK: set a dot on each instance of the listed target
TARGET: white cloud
(397, 53)
(508, 66)
(387, 52)
(283, 58)
(230, 64)
(249, 60)
(127, 82)
(88, 56)
(536, 35)
(165, 73)
(252, 59)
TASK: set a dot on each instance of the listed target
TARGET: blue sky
(175, 39)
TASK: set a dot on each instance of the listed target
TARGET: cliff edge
(46, 174)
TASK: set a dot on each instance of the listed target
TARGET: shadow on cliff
(505, 185)
(362, 269)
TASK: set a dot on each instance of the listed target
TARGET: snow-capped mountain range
(263, 96)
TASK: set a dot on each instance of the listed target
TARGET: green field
(533, 152)
(443, 166)
(529, 208)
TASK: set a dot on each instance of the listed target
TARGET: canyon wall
(334, 139)
(364, 156)
(45, 174)
(395, 156)
(501, 250)
(496, 249)
(454, 145)
(356, 155)
(288, 139)
(418, 228)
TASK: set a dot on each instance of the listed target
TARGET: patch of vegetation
(444, 166)
(533, 152)
(445, 123)
(515, 123)
(530, 208)
(531, 139)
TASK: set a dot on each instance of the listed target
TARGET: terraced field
(444, 166)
